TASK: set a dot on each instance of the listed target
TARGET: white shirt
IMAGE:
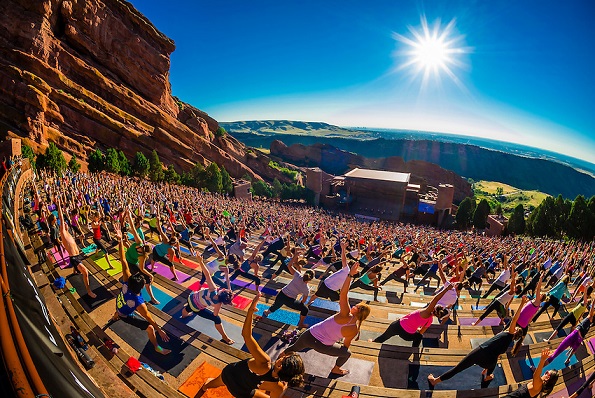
(336, 280)
(296, 287)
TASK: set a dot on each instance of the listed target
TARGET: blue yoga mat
(166, 302)
(326, 304)
(263, 289)
(287, 317)
(558, 364)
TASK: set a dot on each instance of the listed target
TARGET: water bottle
(87, 361)
(354, 392)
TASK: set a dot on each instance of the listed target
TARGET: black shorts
(100, 245)
(162, 260)
(76, 260)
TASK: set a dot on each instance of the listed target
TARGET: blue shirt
(127, 302)
(559, 290)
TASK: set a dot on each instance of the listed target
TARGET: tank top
(97, 231)
(522, 392)
(240, 379)
(413, 321)
(328, 332)
(527, 313)
(203, 298)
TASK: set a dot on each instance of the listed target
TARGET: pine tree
(226, 181)
(465, 212)
(516, 224)
(481, 214)
(141, 165)
(96, 161)
(112, 163)
(155, 168)
(73, 164)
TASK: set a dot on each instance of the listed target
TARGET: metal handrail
(21, 377)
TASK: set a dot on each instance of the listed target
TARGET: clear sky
(517, 71)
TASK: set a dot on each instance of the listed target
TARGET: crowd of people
(313, 246)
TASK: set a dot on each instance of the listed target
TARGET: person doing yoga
(486, 354)
(412, 326)
(254, 377)
(574, 315)
(345, 324)
(539, 385)
(199, 302)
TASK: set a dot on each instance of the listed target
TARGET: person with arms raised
(254, 377)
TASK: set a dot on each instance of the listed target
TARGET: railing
(32, 347)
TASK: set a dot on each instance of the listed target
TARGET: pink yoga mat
(591, 345)
(486, 322)
(62, 258)
(164, 271)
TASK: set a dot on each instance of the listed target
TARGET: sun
(431, 51)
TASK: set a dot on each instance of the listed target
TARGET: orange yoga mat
(197, 380)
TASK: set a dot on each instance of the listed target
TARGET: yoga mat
(196, 286)
(326, 304)
(478, 307)
(591, 345)
(263, 289)
(320, 365)
(489, 321)
(132, 330)
(366, 297)
(541, 336)
(476, 342)
(207, 328)
(428, 342)
(165, 272)
(566, 392)
(557, 364)
(88, 303)
(468, 379)
(287, 317)
(197, 379)
(166, 302)
(416, 304)
(187, 263)
(62, 259)
(100, 260)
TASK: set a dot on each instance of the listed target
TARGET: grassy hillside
(507, 196)
(296, 128)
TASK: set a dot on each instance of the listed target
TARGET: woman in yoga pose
(539, 386)
(252, 377)
(345, 324)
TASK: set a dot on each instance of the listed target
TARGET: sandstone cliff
(95, 73)
(337, 161)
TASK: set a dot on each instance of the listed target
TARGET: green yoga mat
(100, 260)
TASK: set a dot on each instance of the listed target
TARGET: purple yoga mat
(165, 272)
(250, 285)
(591, 345)
(486, 322)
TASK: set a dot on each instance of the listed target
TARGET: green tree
(155, 167)
(141, 165)
(516, 223)
(580, 221)
(498, 210)
(213, 180)
(499, 191)
(226, 181)
(220, 132)
(96, 161)
(73, 164)
(465, 212)
(53, 159)
(28, 153)
(261, 188)
(112, 163)
(542, 221)
(481, 214)
(195, 177)
(171, 175)
(125, 167)
(276, 188)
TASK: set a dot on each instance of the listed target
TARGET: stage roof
(379, 175)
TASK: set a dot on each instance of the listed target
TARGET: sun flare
(433, 50)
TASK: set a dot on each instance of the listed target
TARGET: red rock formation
(95, 73)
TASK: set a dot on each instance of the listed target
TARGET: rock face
(91, 74)
(336, 161)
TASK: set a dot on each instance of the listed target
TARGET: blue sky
(522, 71)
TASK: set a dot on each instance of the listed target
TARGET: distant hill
(289, 127)
(470, 161)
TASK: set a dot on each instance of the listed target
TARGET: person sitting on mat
(538, 386)
(130, 300)
(486, 354)
(259, 376)
(76, 258)
(574, 339)
(199, 302)
(412, 326)
(345, 324)
(289, 294)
